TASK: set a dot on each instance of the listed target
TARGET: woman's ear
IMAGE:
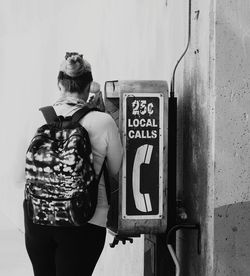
(60, 86)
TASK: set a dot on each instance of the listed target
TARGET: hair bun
(74, 65)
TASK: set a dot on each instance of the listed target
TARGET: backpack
(61, 185)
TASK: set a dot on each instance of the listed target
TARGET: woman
(72, 251)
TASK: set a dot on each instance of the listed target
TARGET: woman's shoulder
(99, 115)
(100, 120)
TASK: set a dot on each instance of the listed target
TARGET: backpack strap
(79, 114)
(49, 113)
(107, 183)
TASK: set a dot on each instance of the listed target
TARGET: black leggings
(67, 251)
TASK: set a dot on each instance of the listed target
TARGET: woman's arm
(114, 148)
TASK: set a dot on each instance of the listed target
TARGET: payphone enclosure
(139, 194)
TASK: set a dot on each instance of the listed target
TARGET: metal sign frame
(135, 95)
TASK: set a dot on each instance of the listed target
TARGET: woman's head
(75, 73)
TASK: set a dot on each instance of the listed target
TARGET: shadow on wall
(195, 188)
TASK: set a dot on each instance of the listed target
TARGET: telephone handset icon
(142, 156)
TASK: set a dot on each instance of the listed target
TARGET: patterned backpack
(61, 185)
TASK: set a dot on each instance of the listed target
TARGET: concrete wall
(196, 140)
(214, 113)
(122, 40)
(232, 140)
(213, 138)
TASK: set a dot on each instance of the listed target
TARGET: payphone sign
(143, 168)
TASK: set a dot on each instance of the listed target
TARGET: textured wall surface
(197, 119)
(232, 138)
